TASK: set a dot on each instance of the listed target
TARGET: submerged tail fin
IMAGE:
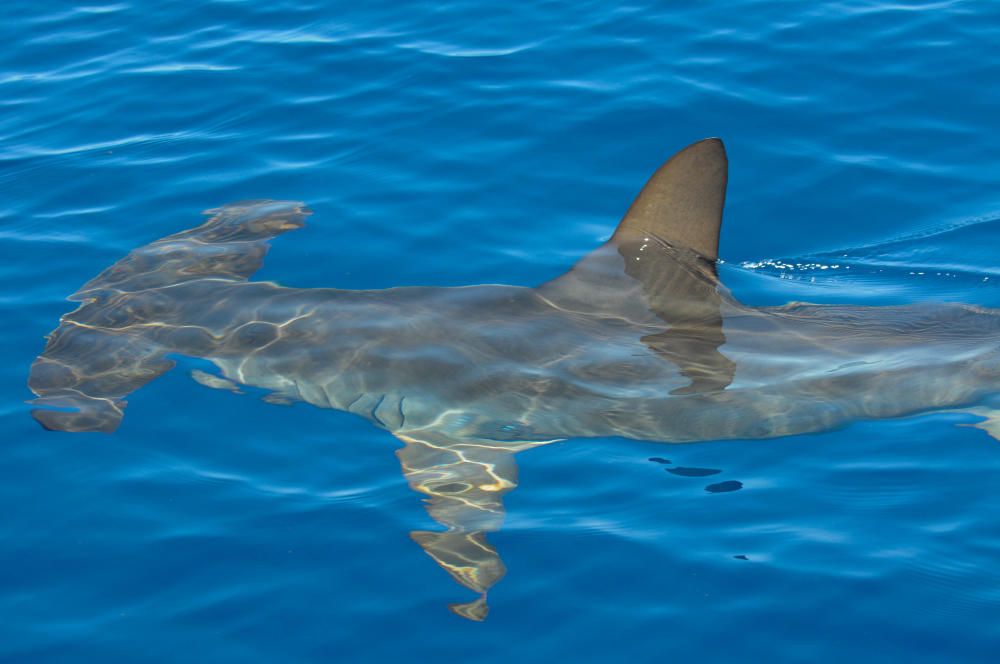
(113, 344)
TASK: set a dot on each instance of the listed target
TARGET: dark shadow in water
(693, 472)
(724, 487)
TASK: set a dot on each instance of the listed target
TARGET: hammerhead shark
(638, 340)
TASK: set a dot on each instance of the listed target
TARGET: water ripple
(454, 143)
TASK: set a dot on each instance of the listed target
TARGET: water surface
(483, 143)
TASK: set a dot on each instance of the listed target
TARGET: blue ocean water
(488, 142)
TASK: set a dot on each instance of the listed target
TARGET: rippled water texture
(466, 143)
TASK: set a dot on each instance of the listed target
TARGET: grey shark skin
(639, 339)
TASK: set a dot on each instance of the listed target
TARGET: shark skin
(639, 340)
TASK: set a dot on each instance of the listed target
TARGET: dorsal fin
(659, 266)
(658, 253)
(682, 202)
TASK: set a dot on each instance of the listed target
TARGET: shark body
(639, 340)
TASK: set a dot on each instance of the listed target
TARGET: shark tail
(112, 344)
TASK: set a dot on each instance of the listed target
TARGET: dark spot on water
(741, 557)
(659, 460)
(723, 487)
(693, 472)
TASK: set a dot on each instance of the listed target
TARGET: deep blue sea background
(449, 143)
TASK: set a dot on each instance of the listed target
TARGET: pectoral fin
(464, 481)
(467, 556)
(990, 424)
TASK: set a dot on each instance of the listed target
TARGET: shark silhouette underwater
(639, 339)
